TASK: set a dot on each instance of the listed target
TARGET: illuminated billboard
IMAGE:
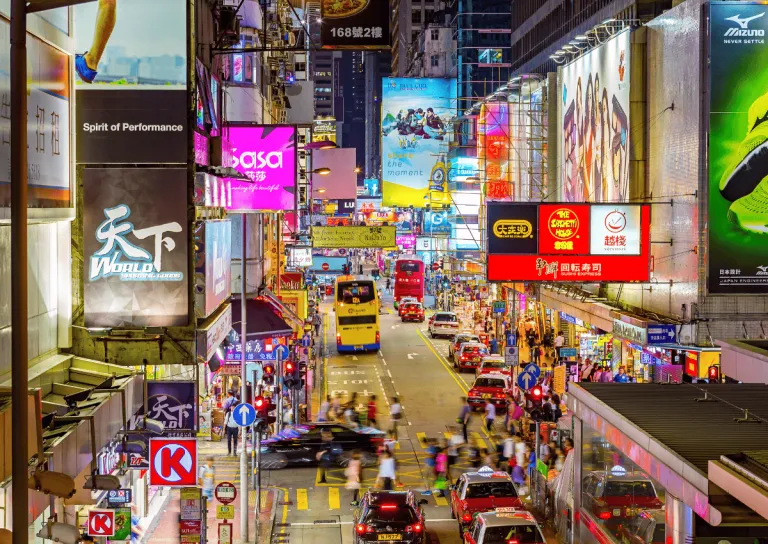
(568, 242)
(595, 124)
(349, 237)
(324, 130)
(415, 131)
(493, 150)
(266, 154)
(355, 24)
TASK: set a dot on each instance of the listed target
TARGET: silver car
(443, 324)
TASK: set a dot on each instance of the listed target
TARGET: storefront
(643, 350)
(588, 341)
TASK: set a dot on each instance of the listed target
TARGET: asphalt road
(409, 366)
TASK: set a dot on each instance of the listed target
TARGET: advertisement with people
(131, 78)
(595, 124)
(266, 154)
(738, 150)
(135, 247)
(415, 131)
(48, 96)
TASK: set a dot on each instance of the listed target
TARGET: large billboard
(324, 130)
(493, 150)
(48, 96)
(213, 256)
(738, 149)
(266, 154)
(135, 247)
(568, 242)
(415, 132)
(355, 24)
(348, 237)
(595, 124)
(131, 82)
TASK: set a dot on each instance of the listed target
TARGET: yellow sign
(324, 131)
(225, 511)
(559, 380)
(512, 228)
(348, 237)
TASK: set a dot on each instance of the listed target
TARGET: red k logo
(101, 523)
(173, 462)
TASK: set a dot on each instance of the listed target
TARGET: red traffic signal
(288, 366)
(714, 373)
(269, 369)
(536, 392)
(259, 403)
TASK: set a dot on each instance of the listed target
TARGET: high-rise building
(408, 18)
(377, 68)
(353, 90)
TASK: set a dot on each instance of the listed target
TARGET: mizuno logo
(744, 30)
(744, 23)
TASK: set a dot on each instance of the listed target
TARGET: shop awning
(261, 319)
(278, 305)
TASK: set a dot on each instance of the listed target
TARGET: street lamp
(320, 171)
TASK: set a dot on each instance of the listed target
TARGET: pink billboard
(266, 154)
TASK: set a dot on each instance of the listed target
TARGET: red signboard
(101, 523)
(692, 364)
(564, 229)
(173, 462)
(591, 259)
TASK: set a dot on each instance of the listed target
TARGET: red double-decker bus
(409, 279)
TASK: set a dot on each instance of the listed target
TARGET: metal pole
(533, 474)
(256, 392)
(243, 390)
(19, 323)
(279, 393)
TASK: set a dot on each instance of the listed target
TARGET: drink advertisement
(415, 132)
(266, 154)
(738, 150)
(595, 120)
(131, 78)
(135, 247)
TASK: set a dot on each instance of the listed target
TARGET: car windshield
(409, 266)
(451, 318)
(400, 514)
(523, 534)
(475, 349)
(466, 338)
(621, 488)
(489, 382)
(482, 490)
(494, 364)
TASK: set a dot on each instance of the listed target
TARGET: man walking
(559, 343)
(464, 414)
(206, 478)
(232, 430)
(490, 415)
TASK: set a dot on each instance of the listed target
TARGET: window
(523, 534)
(357, 293)
(400, 514)
(489, 382)
(435, 34)
(416, 17)
(357, 320)
(451, 318)
(409, 266)
(491, 489)
(433, 60)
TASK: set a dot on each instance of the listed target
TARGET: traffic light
(714, 374)
(289, 374)
(268, 373)
(263, 406)
(535, 396)
(536, 393)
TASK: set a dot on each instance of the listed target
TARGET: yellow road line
(441, 501)
(301, 499)
(422, 440)
(479, 440)
(334, 503)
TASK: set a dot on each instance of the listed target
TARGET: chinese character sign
(267, 155)
(355, 24)
(493, 150)
(135, 247)
(172, 403)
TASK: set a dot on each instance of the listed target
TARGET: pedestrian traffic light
(289, 374)
(268, 373)
(536, 393)
(298, 383)
(263, 406)
(714, 374)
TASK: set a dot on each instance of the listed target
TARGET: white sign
(300, 256)
(208, 340)
(630, 332)
(511, 355)
(615, 230)
(423, 243)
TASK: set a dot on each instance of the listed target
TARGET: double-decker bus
(409, 279)
(357, 315)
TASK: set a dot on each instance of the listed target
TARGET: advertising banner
(437, 223)
(299, 257)
(493, 150)
(213, 256)
(48, 96)
(255, 350)
(349, 237)
(595, 124)
(173, 404)
(355, 24)
(346, 206)
(135, 247)
(567, 242)
(324, 130)
(738, 150)
(406, 241)
(266, 154)
(415, 132)
(132, 99)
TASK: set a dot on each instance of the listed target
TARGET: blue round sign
(244, 414)
(533, 369)
(526, 380)
(282, 352)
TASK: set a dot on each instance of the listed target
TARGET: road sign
(225, 533)
(435, 266)
(661, 334)
(119, 497)
(325, 266)
(511, 354)
(173, 462)
(533, 369)
(224, 511)
(244, 414)
(499, 307)
(568, 352)
(282, 350)
(526, 380)
(306, 341)
(101, 523)
(225, 492)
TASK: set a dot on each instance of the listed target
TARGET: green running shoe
(751, 212)
(751, 166)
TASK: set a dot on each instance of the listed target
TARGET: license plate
(487, 395)
(358, 347)
(390, 537)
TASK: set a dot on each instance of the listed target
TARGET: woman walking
(352, 473)
(387, 475)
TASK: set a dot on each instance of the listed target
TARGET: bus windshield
(409, 266)
(355, 292)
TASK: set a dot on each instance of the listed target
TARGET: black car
(384, 516)
(298, 445)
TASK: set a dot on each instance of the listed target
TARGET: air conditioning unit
(229, 26)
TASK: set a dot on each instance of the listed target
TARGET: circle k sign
(101, 523)
(173, 462)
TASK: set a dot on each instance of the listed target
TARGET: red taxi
(469, 355)
(504, 526)
(459, 339)
(493, 387)
(412, 311)
(482, 491)
(493, 363)
(403, 303)
(615, 497)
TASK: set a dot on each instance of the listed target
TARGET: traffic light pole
(279, 390)
(243, 393)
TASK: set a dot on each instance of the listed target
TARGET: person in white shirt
(508, 448)
(322, 415)
(232, 429)
(206, 477)
(519, 451)
(490, 415)
(559, 342)
(454, 444)
(387, 475)
(395, 414)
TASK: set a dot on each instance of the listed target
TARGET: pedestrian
(352, 472)
(372, 411)
(206, 477)
(514, 417)
(441, 469)
(387, 475)
(621, 376)
(431, 460)
(606, 376)
(559, 343)
(229, 401)
(536, 352)
(519, 450)
(389, 285)
(454, 444)
(325, 406)
(324, 454)
(336, 407)
(508, 450)
(464, 415)
(232, 430)
(494, 345)
(395, 414)
(490, 415)
(597, 374)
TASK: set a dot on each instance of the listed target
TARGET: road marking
(334, 503)
(440, 500)
(479, 440)
(332, 523)
(422, 440)
(389, 373)
(301, 499)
